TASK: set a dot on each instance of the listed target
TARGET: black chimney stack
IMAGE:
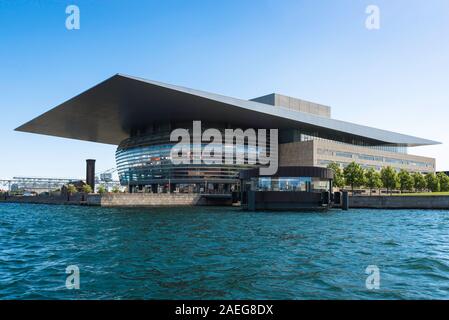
(90, 173)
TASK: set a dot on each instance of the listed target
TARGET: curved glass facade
(144, 161)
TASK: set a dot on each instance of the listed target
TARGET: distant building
(138, 115)
(38, 184)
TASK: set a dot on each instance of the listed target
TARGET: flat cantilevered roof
(107, 112)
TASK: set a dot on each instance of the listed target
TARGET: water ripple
(221, 253)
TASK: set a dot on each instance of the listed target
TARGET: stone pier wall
(144, 200)
(75, 199)
(115, 200)
(399, 202)
(171, 200)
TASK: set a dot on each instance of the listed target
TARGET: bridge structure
(44, 184)
(34, 184)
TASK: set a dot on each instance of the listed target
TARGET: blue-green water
(221, 253)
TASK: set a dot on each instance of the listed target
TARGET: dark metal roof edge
(318, 121)
(385, 136)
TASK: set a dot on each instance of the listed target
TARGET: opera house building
(138, 116)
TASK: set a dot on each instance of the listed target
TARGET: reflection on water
(221, 253)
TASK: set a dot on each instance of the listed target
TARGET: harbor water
(222, 253)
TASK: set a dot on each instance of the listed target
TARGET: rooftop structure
(279, 100)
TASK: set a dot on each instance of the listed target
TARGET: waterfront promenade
(399, 202)
(176, 200)
(125, 200)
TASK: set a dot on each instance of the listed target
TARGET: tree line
(71, 189)
(355, 176)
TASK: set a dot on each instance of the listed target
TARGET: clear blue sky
(395, 78)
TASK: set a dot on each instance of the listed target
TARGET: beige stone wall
(296, 104)
(320, 152)
(302, 105)
(143, 200)
(296, 154)
(332, 148)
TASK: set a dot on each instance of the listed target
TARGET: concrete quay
(126, 200)
(399, 202)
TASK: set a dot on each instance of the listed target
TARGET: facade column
(154, 188)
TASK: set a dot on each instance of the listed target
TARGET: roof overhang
(108, 112)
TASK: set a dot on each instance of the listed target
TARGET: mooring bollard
(345, 200)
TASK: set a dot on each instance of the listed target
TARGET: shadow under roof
(107, 112)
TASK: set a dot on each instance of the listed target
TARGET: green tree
(444, 181)
(420, 181)
(115, 190)
(389, 178)
(354, 175)
(373, 180)
(101, 189)
(433, 184)
(406, 181)
(87, 188)
(71, 189)
(339, 179)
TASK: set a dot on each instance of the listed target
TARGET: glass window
(293, 184)
(343, 154)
